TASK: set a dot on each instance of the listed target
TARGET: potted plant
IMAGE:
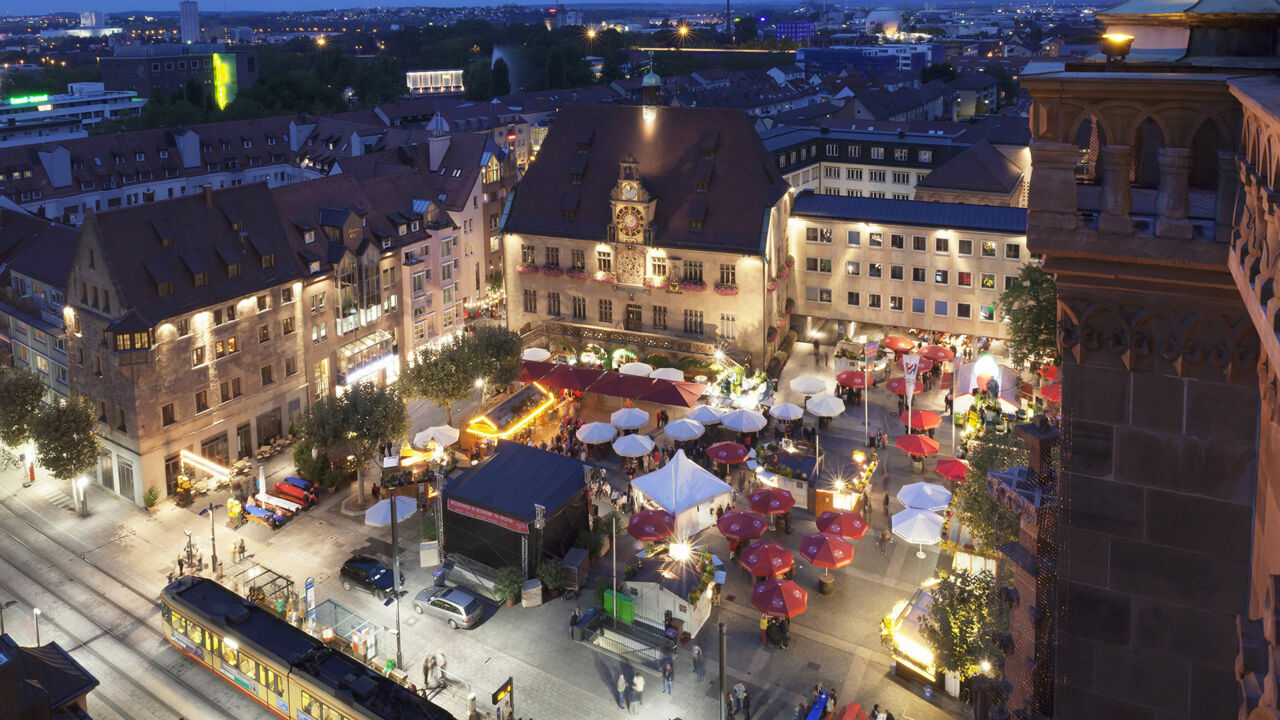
(506, 587)
(150, 497)
(726, 289)
(526, 268)
(552, 575)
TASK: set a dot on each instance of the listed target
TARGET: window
(876, 176)
(693, 270)
(817, 294)
(693, 322)
(877, 153)
(901, 178)
(184, 327)
(831, 173)
(895, 303)
(658, 266)
(417, 283)
(821, 265)
(988, 281)
(942, 245)
(728, 326)
(222, 348)
(202, 401)
(197, 356)
(579, 261)
(290, 365)
(875, 240)
(531, 301)
(817, 235)
(553, 256)
(264, 333)
(579, 308)
(853, 299)
(286, 295)
(988, 248)
(287, 326)
(964, 247)
(167, 416)
(852, 268)
(833, 149)
(1012, 251)
(963, 310)
(987, 312)
(898, 242)
(317, 302)
(855, 151)
(917, 305)
(895, 272)
(855, 238)
(900, 154)
(1010, 281)
(919, 243)
(873, 301)
(875, 270)
(268, 375)
(606, 311)
(233, 270)
(924, 156)
(553, 303)
(728, 274)
(940, 277)
(918, 274)
(853, 174)
(604, 261)
(940, 308)
(874, 194)
(263, 304)
(526, 255)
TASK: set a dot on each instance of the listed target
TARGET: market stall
(911, 653)
(847, 490)
(687, 490)
(506, 415)
(674, 595)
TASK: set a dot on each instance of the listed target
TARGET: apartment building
(35, 260)
(905, 264)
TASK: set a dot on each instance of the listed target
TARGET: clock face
(629, 191)
(630, 221)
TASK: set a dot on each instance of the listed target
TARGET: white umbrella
(379, 514)
(442, 435)
(743, 421)
(684, 429)
(596, 433)
(535, 354)
(924, 496)
(808, 385)
(704, 414)
(787, 411)
(629, 418)
(825, 405)
(636, 368)
(633, 445)
(918, 527)
(668, 374)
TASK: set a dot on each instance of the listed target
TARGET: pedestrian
(746, 705)
(884, 541)
(698, 667)
(638, 685)
(622, 692)
(739, 692)
(886, 504)
(574, 617)
(180, 563)
(668, 674)
(764, 629)
(785, 624)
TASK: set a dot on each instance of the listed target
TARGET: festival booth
(686, 490)
(514, 508)
(675, 595)
(506, 415)
(847, 490)
(913, 659)
(979, 374)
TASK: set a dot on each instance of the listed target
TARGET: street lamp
(35, 612)
(5, 604)
(213, 541)
(82, 483)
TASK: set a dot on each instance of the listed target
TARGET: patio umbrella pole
(953, 409)
(614, 545)
(395, 578)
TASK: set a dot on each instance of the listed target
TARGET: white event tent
(687, 490)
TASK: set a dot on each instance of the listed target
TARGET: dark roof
(517, 477)
(912, 212)
(973, 81)
(998, 130)
(745, 181)
(36, 247)
(980, 168)
(45, 674)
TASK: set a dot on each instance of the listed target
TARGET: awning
(570, 377)
(619, 385)
(376, 337)
(671, 392)
(531, 370)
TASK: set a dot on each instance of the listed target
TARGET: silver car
(455, 606)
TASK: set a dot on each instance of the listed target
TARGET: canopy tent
(569, 377)
(629, 418)
(536, 354)
(671, 392)
(705, 414)
(443, 435)
(979, 374)
(531, 371)
(687, 490)
(668, 374)
(633, 445)
(636, 368)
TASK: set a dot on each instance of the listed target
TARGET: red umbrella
(899, 386)
(1053, 393)
(937, 353)
(571, 377)
(925, 364)
(917, 445)
(619, 385)
(897, 343)
(856, 379)
(767, 559)
(651, 525)
(1049, 372)
(843, 523)
(674, 392)
(741, 525)
(531, 370)
(921, 420)
(771, 500)
(953, 469)
(727, 452)
(826, 551)
(779, 598)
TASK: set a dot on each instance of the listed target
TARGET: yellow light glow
(684, 31)
(680, 552)
(859, 456)
(591, 34)
(320, 41)
(204, 464)
(1117, 37)
(473, 426)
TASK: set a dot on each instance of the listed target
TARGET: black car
(367, 574)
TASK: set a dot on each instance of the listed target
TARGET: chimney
(1041, 438)
(208, 195)
(437, 146)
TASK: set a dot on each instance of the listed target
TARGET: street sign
(311, 598)
(503, 692)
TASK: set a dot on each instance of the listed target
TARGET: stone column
(1172, 200)
(1115, 162)
(1052, 199)
(1226, 212)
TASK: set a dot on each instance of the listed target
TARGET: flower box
(783, 273)
(726, 289)
(690, 286)
(773, 285)
(603, 277)
(791, 261)
(552, 270)
(576, 273)
(527, 269)
(771, 335)
(657, 282)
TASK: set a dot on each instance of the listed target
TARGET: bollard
(928, 692)
(471, 705)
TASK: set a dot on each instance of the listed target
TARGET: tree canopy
(360, 420)
(22, 392)
(962, 622)
(991, 523)
(1031, 304)
(446, 372)
(66, 437)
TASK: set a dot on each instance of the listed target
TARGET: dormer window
(201, 279)
(139, 157)
(225, 146)
(308, 236)
(701, 186)
(695, 225)
(233, 270)
(271, 140)
(164, 154)
(414, 227)
(164, 289)
(135, 340)
(268, 260)
(248, 144)
(314, 266)
(402, 229)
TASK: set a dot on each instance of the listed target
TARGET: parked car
(365, 573)
(455, 606)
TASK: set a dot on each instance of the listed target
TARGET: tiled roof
(980, 168)
(911, 212)
(35, 247)
(998, 131)
(745, 182)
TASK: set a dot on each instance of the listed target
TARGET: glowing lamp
(1116, 46)
(680, 552)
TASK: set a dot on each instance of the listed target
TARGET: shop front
(372, 357)
(848, 490)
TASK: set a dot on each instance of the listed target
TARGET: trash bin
(531, 593)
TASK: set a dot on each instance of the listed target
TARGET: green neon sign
(28, 99)
(224, 79)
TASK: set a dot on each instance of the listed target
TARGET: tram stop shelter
(515, 507)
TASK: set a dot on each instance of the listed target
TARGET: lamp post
(5, 604)
(213, 542)
(35, 612)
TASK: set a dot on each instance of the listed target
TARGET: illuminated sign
(224, 79)
(28, 99)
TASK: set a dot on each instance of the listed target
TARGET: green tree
(499, 78)
(744, 29)
(499, 351)
(991, 523)
(444, 373)
(22, 392)
(945, 72)
(1031, 304)
(360, 421)
(962, 622)
(66, 437)
(475, 78)
(555, 69)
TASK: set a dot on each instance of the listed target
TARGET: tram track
(107, 633)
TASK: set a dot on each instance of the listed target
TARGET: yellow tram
(291, 673)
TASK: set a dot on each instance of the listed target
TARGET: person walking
(746, 705)
(574, 617)
(886, 504)
(785, 625)
(739, 692)
(622, 692)
(698, 667)
(637, 684)
(884, 541)
(668, 674)
(764, 629)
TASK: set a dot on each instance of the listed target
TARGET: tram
(292, 674)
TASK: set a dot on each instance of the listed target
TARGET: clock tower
(632, 226)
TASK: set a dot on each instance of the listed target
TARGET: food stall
(507, 415)
(913, 659)
(675, 594)
(848, 491)
(794, 466)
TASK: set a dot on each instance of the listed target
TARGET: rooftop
(982, 218)
(517, 477)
